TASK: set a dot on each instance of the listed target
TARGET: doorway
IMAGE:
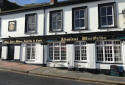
(10, 55)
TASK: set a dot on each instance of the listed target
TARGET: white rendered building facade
(79, 34)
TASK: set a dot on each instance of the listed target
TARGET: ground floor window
(30, 51)
(57, 51)
(109, 51)
(80, 51)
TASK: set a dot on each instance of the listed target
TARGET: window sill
(79, 29)
(112, 27)
(57, 61)
(12, 31)
(28, 60)
(80, 61)
(56, 31)
(108, 63)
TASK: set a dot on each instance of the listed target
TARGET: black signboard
(68, 38)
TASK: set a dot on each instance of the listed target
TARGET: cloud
(22, 2)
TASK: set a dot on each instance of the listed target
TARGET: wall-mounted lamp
(9, 36)
(123, 12)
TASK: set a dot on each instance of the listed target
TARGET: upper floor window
(79, 18)
(107, 16)
(56, 20)
(30, 23)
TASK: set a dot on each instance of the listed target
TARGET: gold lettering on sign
(28, 41)
(84, 38)
(6, 42)
(37, 40)
(94, 38)
(19, 41)
(69, 39)
(12, 41)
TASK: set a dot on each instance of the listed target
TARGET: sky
(22, 2)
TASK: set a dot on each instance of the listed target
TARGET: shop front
(24, 49)
(97, 50)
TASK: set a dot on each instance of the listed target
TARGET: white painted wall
(4, 52)
(16, 52)
(20, 19)
(91, 56)
(38, 55)
(70, 55)
(92, 17)
(22, 52)
(123, 54)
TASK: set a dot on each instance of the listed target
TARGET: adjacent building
(73, 34)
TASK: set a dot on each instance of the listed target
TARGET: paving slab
(60, 73)
(55, 72)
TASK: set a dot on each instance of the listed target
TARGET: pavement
(60, 73)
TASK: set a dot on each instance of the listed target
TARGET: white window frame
(112, 45)
(80, 45)
(35, 23)
(79, 9)
(107, 16)
(31, 47)
(53, 46)
(55, 13)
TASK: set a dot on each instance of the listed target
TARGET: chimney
(52, 2)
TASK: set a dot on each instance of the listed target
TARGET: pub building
(87, 34)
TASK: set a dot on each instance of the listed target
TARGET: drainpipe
(44, 28)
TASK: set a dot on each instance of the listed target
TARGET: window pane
(51, 53)
(77, 53)
(103, 21)
(77, 22)
(99, 50)
(63, 53)
(81, 13)
(110, 21)
(109, 10)
(59, 24)
(59, 16)
(103, 11)
(81, 22)
(33, 53)
(83, 53)
(76, 14)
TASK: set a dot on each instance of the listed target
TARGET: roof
(45, 6)
(7, 5)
